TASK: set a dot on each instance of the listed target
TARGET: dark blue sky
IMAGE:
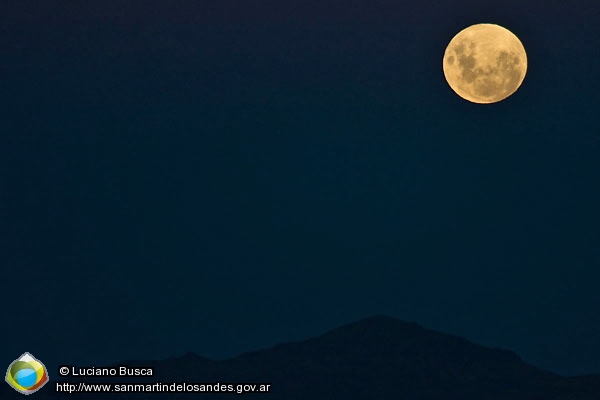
(222, 177)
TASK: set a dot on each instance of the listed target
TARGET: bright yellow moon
(485, 63)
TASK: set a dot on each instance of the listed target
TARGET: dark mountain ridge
(374, 358)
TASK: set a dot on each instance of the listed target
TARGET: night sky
(221, 176)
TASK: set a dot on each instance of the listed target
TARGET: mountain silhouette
(375, 358)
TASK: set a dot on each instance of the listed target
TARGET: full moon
(485, 63)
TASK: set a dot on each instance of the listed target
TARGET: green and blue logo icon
(27, 374)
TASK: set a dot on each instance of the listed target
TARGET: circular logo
(26, 374)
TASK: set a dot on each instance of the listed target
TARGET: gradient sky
(222, 177)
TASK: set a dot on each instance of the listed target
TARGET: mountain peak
(378, 357)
